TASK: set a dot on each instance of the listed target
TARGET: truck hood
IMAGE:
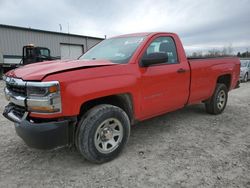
(38, 71)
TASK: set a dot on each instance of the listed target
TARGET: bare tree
(225, 51)
(214, 53)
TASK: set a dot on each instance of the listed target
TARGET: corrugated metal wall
(13, 39)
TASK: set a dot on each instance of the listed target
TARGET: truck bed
(204, 74)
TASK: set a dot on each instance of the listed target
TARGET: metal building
(63, 45)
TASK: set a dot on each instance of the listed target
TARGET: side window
(44, 52)
(165, 45)
(249, 64)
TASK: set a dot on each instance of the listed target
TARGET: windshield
(243, 63)
(116, 50)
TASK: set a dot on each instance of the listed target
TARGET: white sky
(202, 24)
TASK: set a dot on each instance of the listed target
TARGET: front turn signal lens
(53, 89)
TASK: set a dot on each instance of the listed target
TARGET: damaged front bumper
(40, 135)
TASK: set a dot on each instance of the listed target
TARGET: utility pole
(60, 27)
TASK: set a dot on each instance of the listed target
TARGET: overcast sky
(201, 24)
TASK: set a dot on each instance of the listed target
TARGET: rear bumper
(44, 135)
(237, 85)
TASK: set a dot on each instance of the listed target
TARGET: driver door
(164, 86)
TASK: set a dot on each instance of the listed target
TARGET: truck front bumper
(45, 135)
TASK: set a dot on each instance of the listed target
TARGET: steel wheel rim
(221, 99)
(108, 135)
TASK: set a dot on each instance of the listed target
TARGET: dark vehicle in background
(244, 70)
(30, 54)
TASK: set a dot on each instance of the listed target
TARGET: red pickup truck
(92, 102)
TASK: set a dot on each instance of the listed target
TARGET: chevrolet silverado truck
(93, 101)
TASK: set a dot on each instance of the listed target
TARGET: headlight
(41, 89)
(37, 91)
(43, 97)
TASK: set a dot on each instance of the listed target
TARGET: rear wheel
(102, 133)
(218, 101)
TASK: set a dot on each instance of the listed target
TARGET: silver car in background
(244, 70)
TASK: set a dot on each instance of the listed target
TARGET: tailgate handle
(181, 70)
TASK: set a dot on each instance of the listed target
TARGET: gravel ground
(186, 148)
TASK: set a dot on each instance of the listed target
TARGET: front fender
(77, 93)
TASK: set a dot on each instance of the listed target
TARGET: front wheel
(218, 101)
(102, 133)
(245, 79)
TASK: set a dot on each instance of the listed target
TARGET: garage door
(71, 51)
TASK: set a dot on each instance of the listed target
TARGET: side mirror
(154, 58)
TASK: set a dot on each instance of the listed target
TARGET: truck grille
(20, 90)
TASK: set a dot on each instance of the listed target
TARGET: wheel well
(225, 79)
(123, 101)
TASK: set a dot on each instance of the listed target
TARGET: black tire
(212, 105)
(90, 125)
(245, 79)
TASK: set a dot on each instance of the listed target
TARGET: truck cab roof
(142, 34)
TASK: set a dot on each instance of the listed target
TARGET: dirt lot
(186, 148)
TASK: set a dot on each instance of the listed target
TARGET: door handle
(181, 70)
